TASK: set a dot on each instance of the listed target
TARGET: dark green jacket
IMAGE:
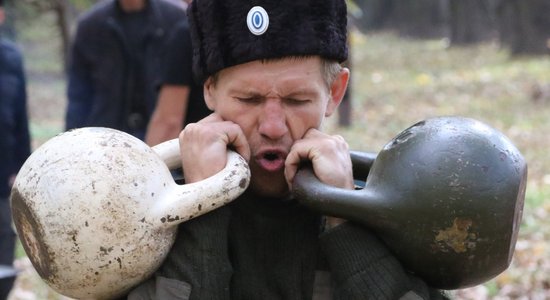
(271, 249)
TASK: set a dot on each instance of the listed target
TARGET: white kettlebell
(97, 209)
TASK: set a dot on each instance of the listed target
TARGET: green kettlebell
(445, 195)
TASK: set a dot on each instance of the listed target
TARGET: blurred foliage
(45, 5)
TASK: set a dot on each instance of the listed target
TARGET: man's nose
(273, 120)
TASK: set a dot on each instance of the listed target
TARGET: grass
(41, 43)
(395, 83)
(398, 82)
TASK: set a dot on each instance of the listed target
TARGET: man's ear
(337, 91)
(208, 89)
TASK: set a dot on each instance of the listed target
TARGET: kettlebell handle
(362, 162)
(333, 201)
(169, 152)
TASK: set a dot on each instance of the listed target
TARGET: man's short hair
(329, 69)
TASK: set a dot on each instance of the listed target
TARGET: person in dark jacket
(15, 144)
(180, 98)
(272, 72)
(115, 63)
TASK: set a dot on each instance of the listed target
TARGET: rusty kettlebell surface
(97, 209)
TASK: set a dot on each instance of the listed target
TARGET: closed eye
(249, 100)
(297, 101)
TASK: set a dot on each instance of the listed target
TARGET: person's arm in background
(80, 92)
(169, 115)
(173, 101)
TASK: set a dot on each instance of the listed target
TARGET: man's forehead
(286, 69)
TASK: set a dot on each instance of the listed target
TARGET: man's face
(274, 103)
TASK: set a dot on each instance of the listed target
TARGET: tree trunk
(373, 15)
(471, 21)
(61, 8)
(420, 18)
(524, 26)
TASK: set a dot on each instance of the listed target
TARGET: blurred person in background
(180, 99)
(15, 144)
(115, 63)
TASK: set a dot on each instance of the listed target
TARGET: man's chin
(269, 188)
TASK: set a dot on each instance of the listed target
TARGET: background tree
(411, 18)
(370, 14)
(471, 21)
(66, 12)
(419, 18)
(524, 25)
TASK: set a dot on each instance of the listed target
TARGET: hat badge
(257, 20)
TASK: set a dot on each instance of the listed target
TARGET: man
(180, 99)
(115, 64)
(271, 74)
(14, 143)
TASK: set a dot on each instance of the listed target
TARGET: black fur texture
(221, 38)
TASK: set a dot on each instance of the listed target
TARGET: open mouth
(271, 156)
(271, 160)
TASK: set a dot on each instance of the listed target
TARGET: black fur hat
(225, 33)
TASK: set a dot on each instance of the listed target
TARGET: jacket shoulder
(98, 12)
(171, 11)
(11, 52)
